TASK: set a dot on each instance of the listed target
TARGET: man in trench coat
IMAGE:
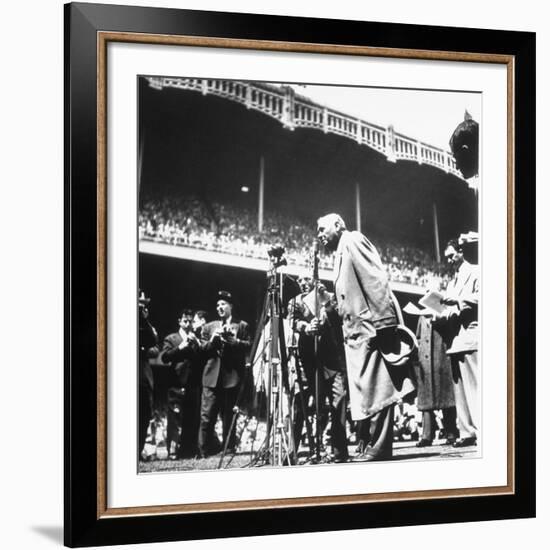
(434, 380)
(369, 314)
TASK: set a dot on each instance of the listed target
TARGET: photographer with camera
(148, 340)
(225, 343)
(276, 255)
(181, 350)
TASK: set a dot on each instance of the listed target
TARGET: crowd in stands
(226, 228)
(413, 265)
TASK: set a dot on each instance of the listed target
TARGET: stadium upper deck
(202, 151)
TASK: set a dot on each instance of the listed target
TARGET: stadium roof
(295, 110)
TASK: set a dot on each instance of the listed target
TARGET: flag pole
(261, 197)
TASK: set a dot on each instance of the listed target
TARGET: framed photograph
(299, 274)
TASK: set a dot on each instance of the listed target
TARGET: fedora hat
(226, 296)
(398, 346)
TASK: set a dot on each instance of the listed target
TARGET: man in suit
(370, 315)
(225, 343)
(329, 360)
(460, 318)
(181, 350)
(148, 340)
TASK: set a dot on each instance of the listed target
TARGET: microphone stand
(275, 449)
(293, 351)
(316, 351)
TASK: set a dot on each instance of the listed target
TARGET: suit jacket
(185, 362)
(461, 319)
(225, 363)
(330, 344)
(366, 305)
(148, 349)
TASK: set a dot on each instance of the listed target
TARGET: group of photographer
(207, 362)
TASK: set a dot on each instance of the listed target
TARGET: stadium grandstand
(226, 229)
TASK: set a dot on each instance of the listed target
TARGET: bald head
(331, 219)
(330, 229)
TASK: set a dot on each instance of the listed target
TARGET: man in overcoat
(434, 380)
(370, 315)
(461, 319)
(225, 344)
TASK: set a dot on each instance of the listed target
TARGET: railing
(295, 111)
(178, 249)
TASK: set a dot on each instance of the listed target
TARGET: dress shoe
(424, 443)
(465, 442)
(366, 457)
(340, 458)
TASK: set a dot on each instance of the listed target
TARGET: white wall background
(31, 278)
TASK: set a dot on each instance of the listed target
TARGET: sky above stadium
(428, 116)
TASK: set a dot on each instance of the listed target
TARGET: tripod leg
(284, 436)
(302, 394)
(317, 412)
(228, 437)
(296, 421)
(238, 438)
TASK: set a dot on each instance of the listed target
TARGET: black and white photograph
(308, 281)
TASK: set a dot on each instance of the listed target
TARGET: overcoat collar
(338, 257)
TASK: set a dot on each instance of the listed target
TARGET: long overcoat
(366, 306)
(432, 367)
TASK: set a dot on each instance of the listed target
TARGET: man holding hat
(377, 346)
(225, 343)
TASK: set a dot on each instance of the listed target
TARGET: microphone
(315, 274)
